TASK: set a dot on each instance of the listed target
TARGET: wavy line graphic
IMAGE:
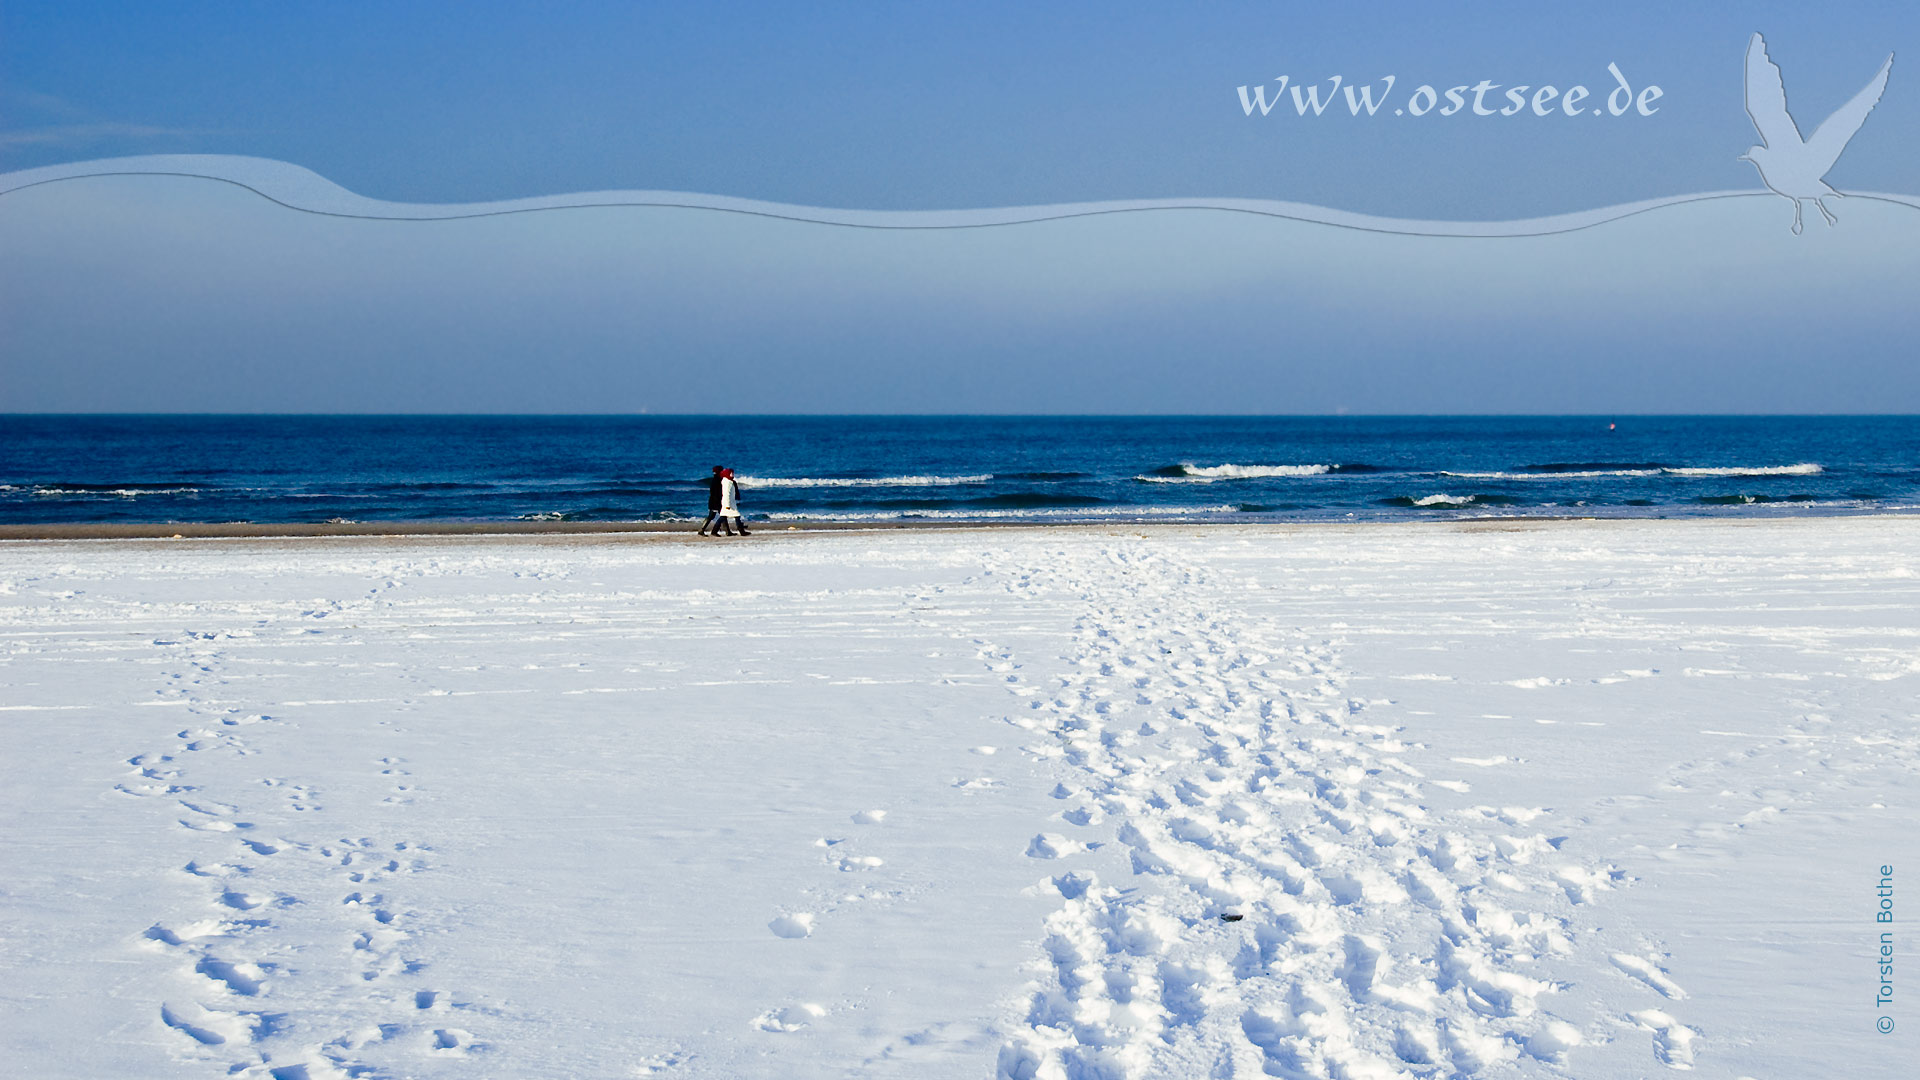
(302, 189)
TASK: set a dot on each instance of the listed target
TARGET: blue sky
(177, 295)
(925, 106)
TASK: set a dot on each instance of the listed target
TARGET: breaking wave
(1805, 468)
(1103, 512)
(129, 491)
(1444, 501)
(860, 481)
(1596, 469)
(1585, 474)
(1206, 474)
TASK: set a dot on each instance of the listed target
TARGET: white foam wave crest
(125, 493)
(1102, 512)
(1444, 500)
(859, 481)
(1805, 468)
(1581, 475)
(1207, 474)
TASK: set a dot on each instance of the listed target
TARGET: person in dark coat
(715, 486)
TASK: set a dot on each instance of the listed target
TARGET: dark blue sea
(68, 469)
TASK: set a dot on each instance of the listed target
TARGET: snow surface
(1576, 799)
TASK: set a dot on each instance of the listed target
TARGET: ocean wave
(1103, 512)
(1572, 475)
(1805, 468)
(1581, 468)
(1597, 469)
(1749, 500)
(603, 513)
(1442, 501)
(1035, 500)
(121, 492)
(859, 481)
(404, 486)
(621, 491)
(1188, 473)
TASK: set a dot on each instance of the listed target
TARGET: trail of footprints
(838, 856)
(848, 880)
(256, 995)
(1295, 910)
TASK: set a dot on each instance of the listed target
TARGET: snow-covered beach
(1594, 799)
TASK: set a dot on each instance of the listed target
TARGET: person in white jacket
(729, 514)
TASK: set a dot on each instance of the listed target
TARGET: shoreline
(663, 530)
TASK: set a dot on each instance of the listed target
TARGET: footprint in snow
(793, 927)
(1083, 815)
(1053, 846)
(791, 1018)
(452, 1041)
(659, 1063)
(187, 931)
(1672, 1040)
(241, 978)
(1650, 973)
(206, 1026)
(215, 825)
(1553, 1042)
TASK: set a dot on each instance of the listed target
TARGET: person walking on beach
(723, 504)
(714, 483)
(730, 504)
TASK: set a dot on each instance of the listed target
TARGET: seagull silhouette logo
(1789, 165)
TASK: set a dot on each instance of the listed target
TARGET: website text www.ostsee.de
(1484, 98)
